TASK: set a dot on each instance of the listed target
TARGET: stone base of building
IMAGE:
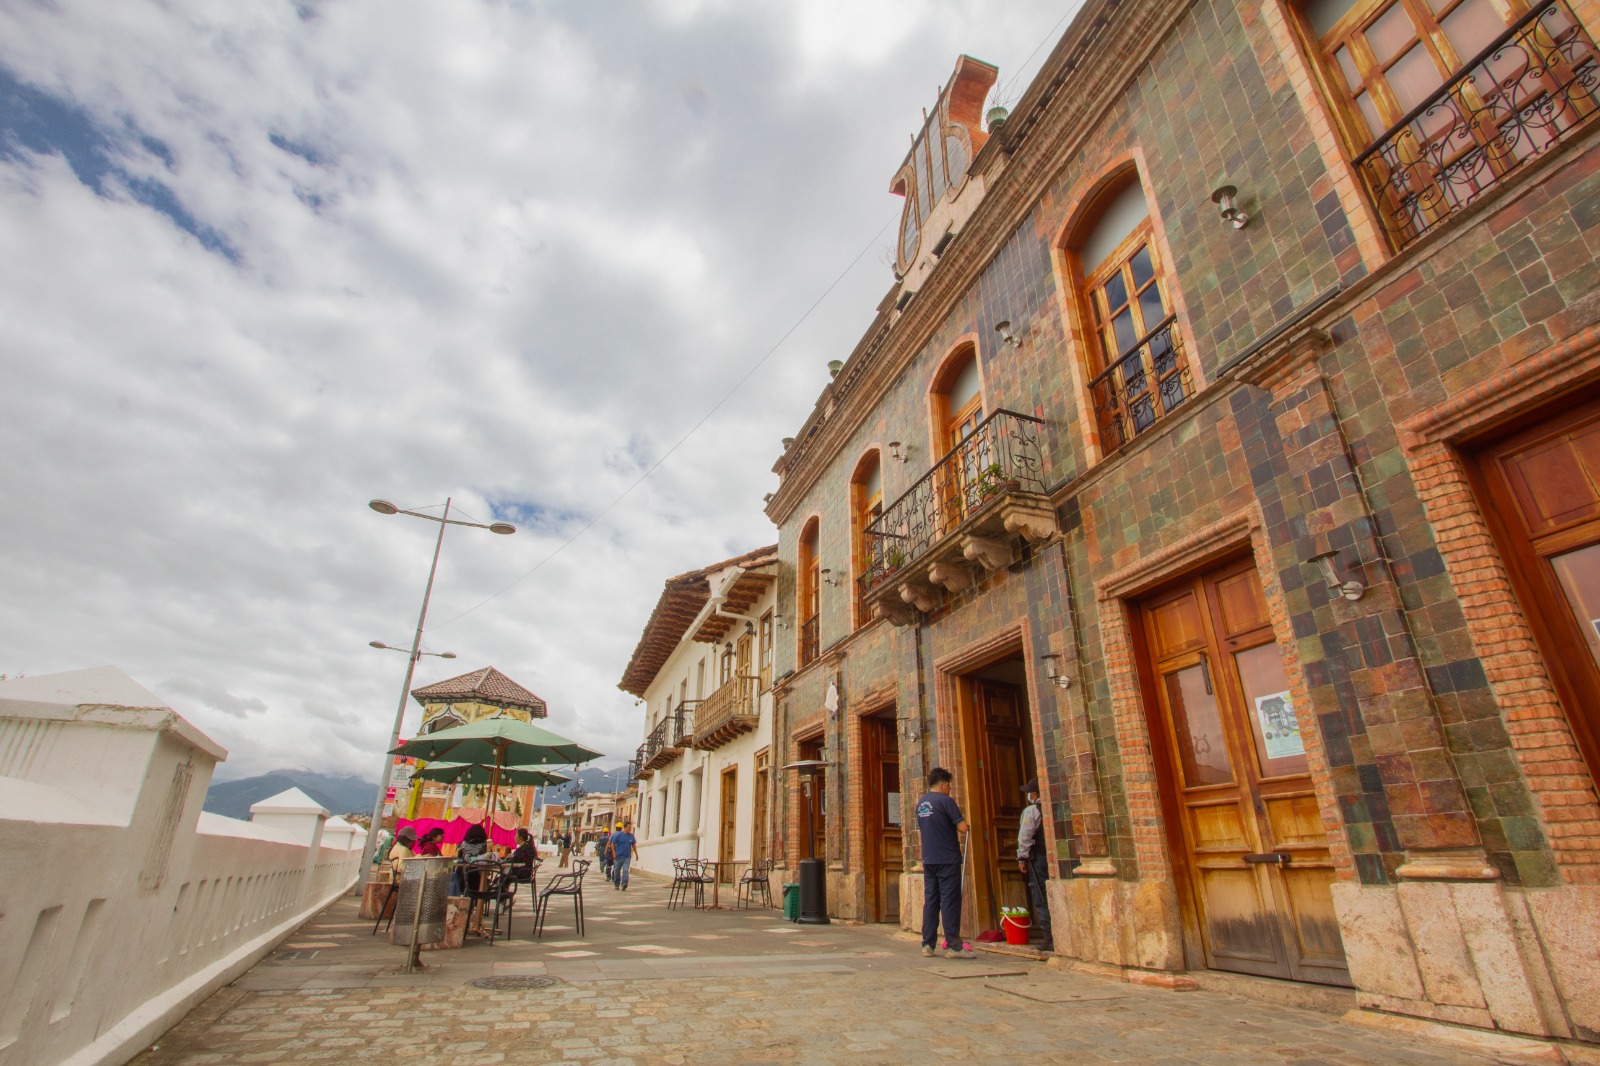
(1126, 924)
(1479, 954)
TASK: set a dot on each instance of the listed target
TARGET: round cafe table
(716, 866)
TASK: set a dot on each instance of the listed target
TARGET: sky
(262, 262)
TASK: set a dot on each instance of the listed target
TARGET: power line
(759, 363)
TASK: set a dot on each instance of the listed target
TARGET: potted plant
(1015, 923)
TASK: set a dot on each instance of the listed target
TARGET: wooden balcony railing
(1521, 96)
(728, 712)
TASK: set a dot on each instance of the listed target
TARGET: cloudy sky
(261, 262)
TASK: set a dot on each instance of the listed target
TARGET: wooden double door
(885, 858)
(1238, 793)
(997, 753)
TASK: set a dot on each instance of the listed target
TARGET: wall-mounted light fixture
(1003, 328)
(1052, 671)
(829, 579)
(900, 453)
(1351, 589)
(1224, 199)
(783, 623)
(749, 628)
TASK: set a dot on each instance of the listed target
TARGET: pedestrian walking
(1033, 863)
(943, 832)
(602, 851)
(622, 845)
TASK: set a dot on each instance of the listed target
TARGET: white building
(703, 671)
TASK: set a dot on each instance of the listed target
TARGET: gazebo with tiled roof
(485, 693)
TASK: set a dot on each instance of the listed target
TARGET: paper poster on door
(1279, 727)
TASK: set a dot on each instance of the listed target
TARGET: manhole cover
(295, 956)
(513, 984)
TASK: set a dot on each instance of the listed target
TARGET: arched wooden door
(1251, 838)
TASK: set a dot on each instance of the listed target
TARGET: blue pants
(619, 869)
(941, 894)
(1038, 874)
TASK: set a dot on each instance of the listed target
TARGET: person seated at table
(524, 857)
(473, 846)
(432, 843)
(404, 841)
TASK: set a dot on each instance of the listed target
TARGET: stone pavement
(652, 986)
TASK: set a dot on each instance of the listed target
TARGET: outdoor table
(716, 866)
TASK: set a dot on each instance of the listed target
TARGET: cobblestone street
(652, 986)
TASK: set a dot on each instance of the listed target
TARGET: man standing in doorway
(942, 831)
(622, 843)
(1031, 860)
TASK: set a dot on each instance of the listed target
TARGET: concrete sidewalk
(648, 985)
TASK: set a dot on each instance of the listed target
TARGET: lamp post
(813, 876)
(413, 653)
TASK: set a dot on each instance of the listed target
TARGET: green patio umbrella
(497, 743)
(473, 773)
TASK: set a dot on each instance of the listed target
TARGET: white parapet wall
(122, 904)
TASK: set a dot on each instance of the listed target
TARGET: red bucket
(1016, 929)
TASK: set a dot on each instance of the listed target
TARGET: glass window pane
(1579, 574)
(1369, 110)
(1202, 745)
(1414, 78)
(1116, 292)
(1150, 308)
(1472, 27)
(1347, 63)
(1126, 334)
(1280, 749)
(1391, 33)
(1143, 269)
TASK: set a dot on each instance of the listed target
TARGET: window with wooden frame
(1438, 100)
(808, 593)
(957, 411)
(765, 652)
(866, 507)
(1137, 367)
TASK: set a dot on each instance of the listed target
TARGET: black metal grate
(512, 983)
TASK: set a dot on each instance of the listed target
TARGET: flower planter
(1016, 929)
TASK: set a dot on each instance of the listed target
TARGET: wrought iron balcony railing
(1516, 99)
(1147, 381)
(728, 712)
(683, 723)
(810, 645)
(1002, 454)
(641, 761)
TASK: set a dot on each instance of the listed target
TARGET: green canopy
(472, 773)
(497, 743)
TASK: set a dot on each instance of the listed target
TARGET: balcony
(1515, 100)
(810, 645)
(664, 744)
(683, 723)
(640, 762)
(1147, 381)
(962, 519)
(730, 711)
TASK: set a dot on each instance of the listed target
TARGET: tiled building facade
(1256, 525)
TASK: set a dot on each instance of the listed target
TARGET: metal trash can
(429, 880)
(791, 902)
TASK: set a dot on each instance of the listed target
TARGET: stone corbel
(1035, 523)
(920, 594)
(898, 612)
(1452, 864)
(988, 552)
(954, 576)
(1279, 365)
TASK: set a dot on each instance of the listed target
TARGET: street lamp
(813, 877)
(413, 653)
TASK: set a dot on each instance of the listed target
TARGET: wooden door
(813, 801)
(729, 822)
(998, 743)
(759, 808)
(885, 856)
(1258, 867)
(1542, 487)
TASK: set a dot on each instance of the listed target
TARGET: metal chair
(384, 910)
(758, 876)
(681, 880)
(567, 884)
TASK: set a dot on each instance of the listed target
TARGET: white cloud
(508, 253)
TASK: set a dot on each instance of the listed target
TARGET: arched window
(808, 592)
(1137, 367)
(866, 507)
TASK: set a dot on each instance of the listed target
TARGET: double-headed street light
(413, 653)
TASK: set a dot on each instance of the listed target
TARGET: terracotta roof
(680, 601)
(484, 686)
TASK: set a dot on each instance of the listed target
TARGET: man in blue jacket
(942, 829)
(622, 845)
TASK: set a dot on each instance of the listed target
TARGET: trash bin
(791, 902)
(425, 881)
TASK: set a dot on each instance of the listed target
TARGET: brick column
(1359, 651)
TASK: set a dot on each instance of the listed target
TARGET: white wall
(123, 904)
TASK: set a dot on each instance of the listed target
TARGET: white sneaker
(927, 952)
(960, 953)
